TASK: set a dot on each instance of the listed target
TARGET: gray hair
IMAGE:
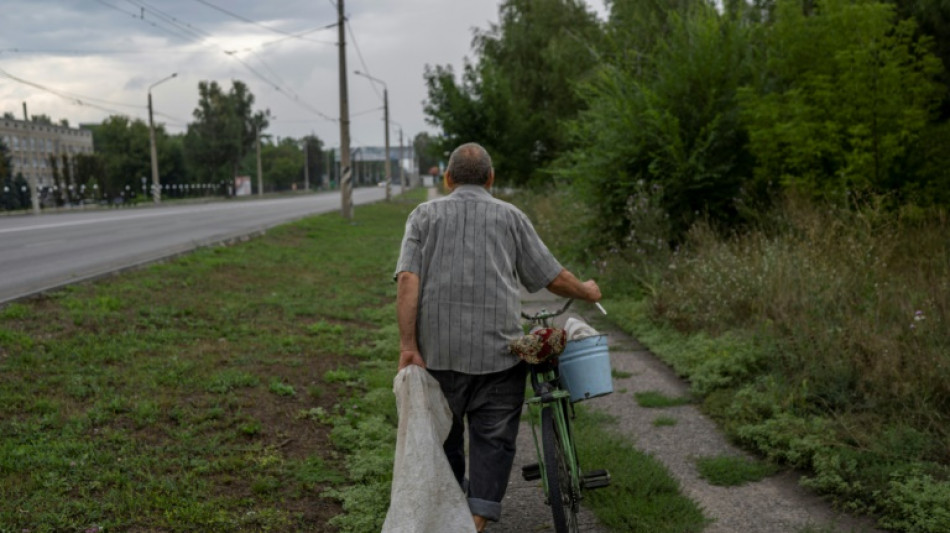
(470, 164)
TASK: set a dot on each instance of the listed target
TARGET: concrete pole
(156, 191)
(260, 183)
(402, 168)
(306, 164)
(346, 184)
(389, 172)
(156, 185)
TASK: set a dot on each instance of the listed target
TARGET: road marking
(118, 217)
(44, 243)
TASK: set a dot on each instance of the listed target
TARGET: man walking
(463, 259)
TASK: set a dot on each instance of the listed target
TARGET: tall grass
(816, 335)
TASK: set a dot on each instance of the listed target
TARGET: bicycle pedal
(531, 472)
(595, 479)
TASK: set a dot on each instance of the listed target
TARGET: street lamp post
(389, 175)
(156, 190)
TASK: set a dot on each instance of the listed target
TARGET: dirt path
(775, 504)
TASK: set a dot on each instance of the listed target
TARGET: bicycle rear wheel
(562, 496)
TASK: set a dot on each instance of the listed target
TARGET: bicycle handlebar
(543, 314)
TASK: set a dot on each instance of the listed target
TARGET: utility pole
(402, 169)
(388, 167)
(346, 185)
(257, 136)
(156, 186)
(306, 164)
(389, 163)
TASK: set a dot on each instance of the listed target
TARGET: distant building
(31, 145)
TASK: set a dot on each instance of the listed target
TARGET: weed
(729, 470)
(282, 389)
(652, 399)
(620, 374)
(663, 421)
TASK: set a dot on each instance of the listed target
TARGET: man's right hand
(591, 290)
(410, 357)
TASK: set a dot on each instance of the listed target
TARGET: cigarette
(602, 310)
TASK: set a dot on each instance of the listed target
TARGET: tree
(513, 98)
(845, 91)
(427, 151)
(224, 130)
(123, 146)
(665, 124)
(313, 147)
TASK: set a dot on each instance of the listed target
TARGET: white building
(32, 144)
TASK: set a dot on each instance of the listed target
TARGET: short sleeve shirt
(471, 252)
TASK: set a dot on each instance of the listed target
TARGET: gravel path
(775, 504)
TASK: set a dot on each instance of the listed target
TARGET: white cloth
(425, 497)
(578, 329)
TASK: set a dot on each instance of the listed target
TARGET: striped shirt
(470, 251)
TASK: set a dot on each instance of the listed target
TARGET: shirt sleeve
(410, 253)
(535, 264)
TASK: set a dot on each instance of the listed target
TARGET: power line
(254, 22)
(201, 36)
(360, 55)
(76, 99)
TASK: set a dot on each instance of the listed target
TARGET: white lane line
(120, 217)
(44, 243)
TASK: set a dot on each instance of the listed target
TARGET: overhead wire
(76, 99)
(360, 55)
(249, 21)
(202, 36)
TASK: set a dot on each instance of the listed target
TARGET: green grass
(655, 399)
(620, 374)
(241, 388)
(664, 421)
(642, 497)
(171, 398)
(729, 470)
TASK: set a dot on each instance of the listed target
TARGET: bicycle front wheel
(562, 495)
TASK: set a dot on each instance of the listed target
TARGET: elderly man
(463, 259)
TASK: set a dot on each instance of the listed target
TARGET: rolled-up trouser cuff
(490, 510)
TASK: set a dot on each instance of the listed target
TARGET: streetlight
(402, 169)
(386, 121)
(156, 192)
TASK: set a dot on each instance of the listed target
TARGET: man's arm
(568, 286)
(407, 306)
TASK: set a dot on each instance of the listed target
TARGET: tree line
(708, 109)
(218, 145)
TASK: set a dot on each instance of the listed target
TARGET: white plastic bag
(425, 496)
(578, 329)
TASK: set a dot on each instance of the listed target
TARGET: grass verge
(208, 393)
(242, 388)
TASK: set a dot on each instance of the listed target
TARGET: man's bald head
(470, 164)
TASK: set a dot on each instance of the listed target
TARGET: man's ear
(491, 179)
(449, 183)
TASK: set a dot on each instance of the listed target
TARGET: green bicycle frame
(558, 400)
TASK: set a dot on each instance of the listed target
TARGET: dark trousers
(492, 404)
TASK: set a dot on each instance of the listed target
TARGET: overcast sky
(106, 53)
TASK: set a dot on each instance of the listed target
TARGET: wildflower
(919, 315)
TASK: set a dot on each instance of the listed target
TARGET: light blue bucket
(584, 366)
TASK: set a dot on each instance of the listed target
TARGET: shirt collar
(471, 191)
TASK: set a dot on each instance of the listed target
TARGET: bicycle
(558, 466)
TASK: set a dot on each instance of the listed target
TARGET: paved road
(42, 252)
